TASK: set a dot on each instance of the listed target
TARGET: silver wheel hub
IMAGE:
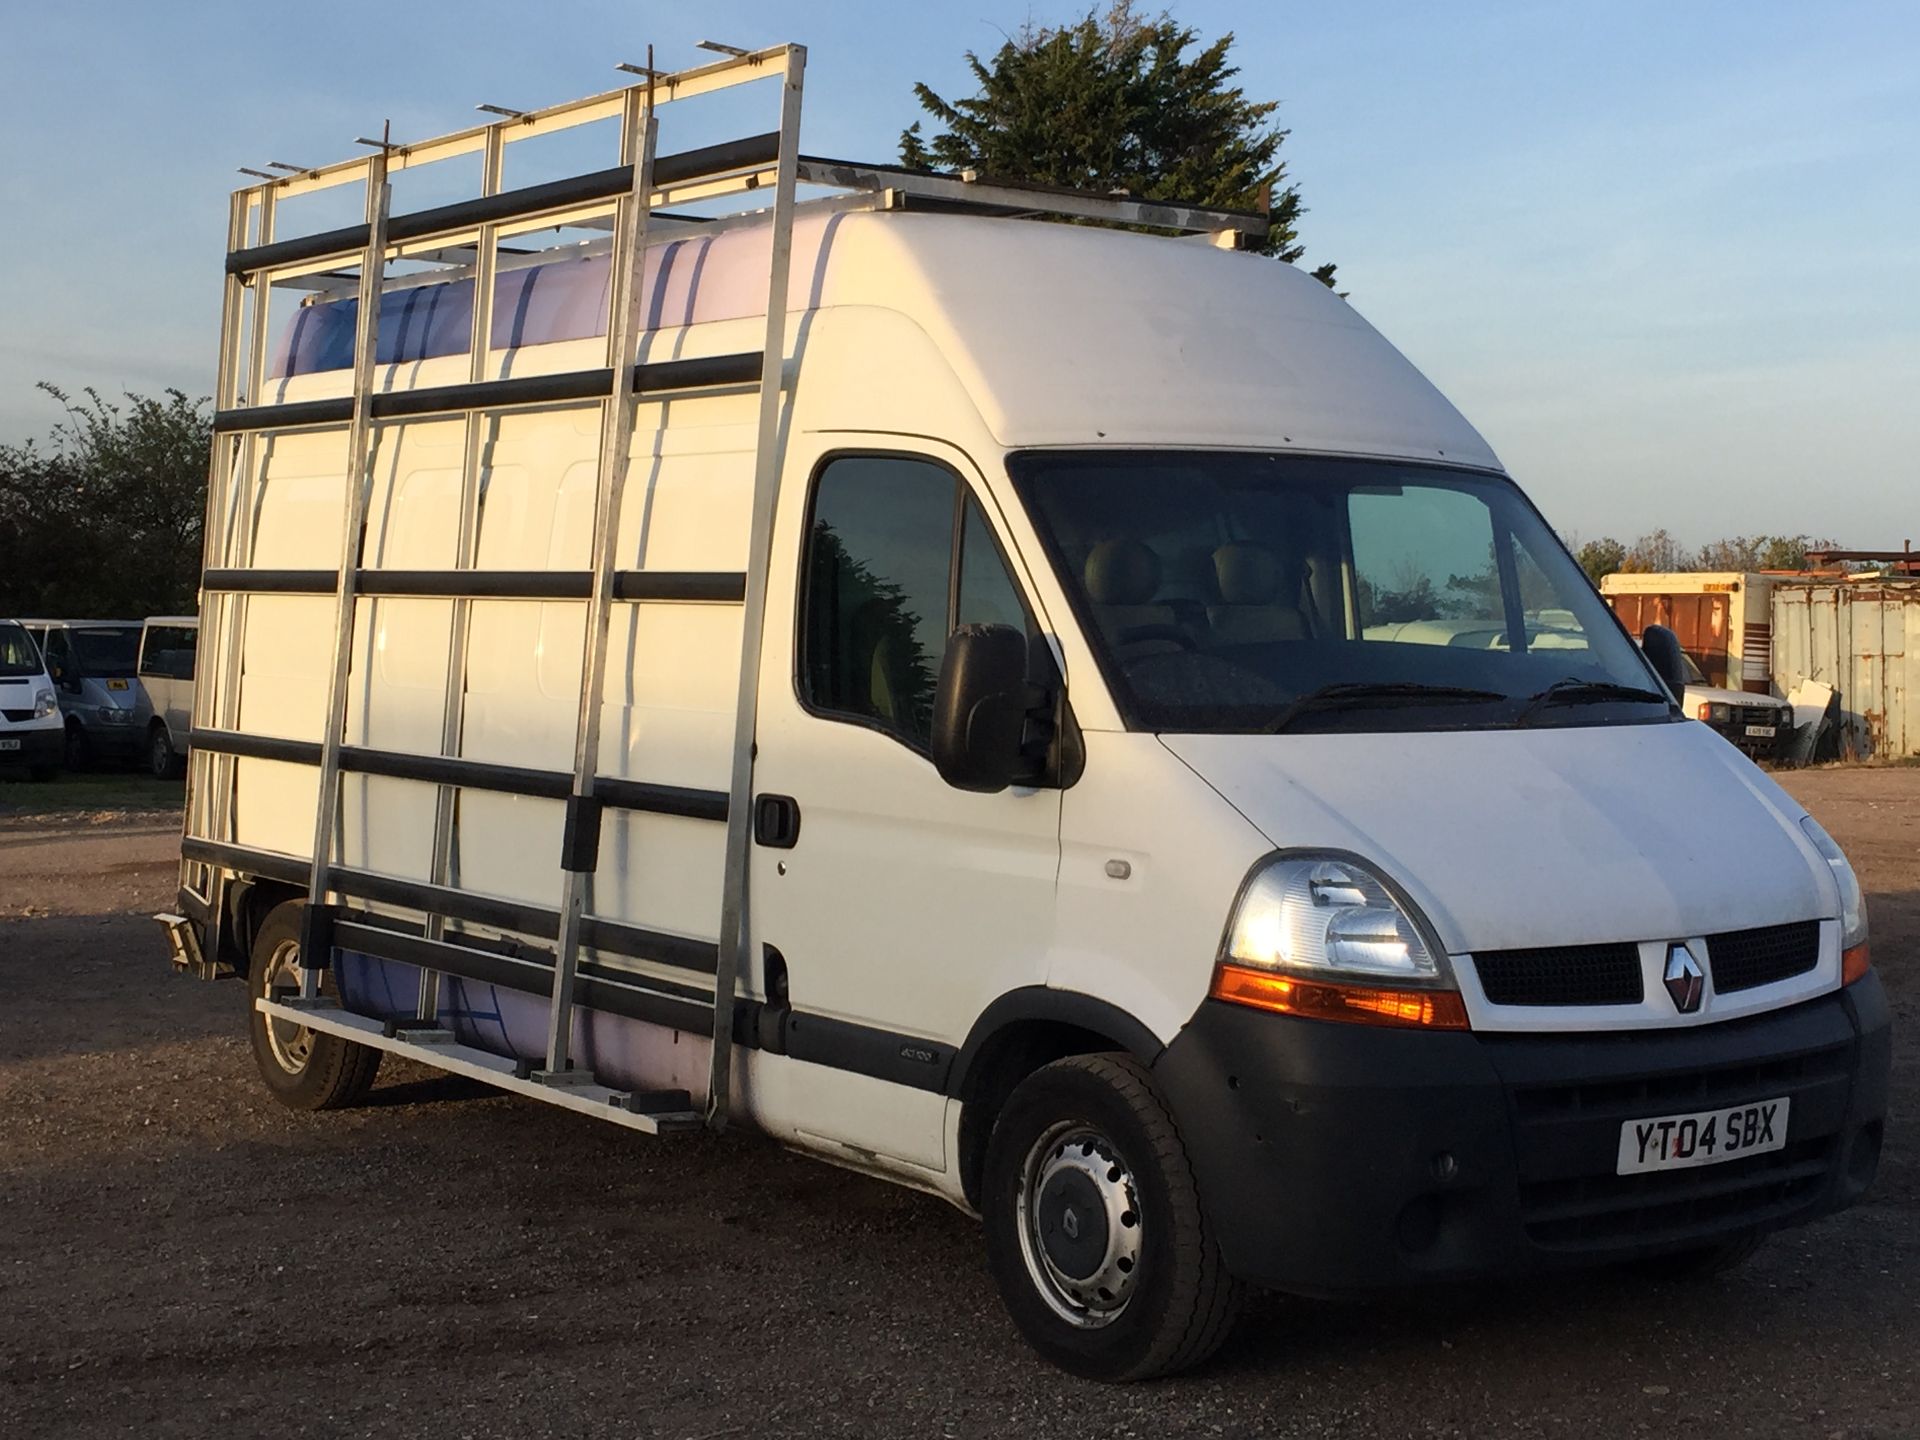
(291, 1044)
(1079, 1222)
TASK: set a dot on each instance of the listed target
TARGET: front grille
(1673, 1090)
(1745, 959)
(17, 716)
(1562, 975)
(1610, 1210)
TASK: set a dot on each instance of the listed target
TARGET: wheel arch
(249, 900)
(1017, 1034)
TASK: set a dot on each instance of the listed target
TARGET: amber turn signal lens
(1320, 1000)
(1854, 963)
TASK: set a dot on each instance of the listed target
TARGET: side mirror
(1663, 649)
(981, 707)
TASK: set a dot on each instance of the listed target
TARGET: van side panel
(296, 497)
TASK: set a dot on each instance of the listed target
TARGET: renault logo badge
(1686, 982)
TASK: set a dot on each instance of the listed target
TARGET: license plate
(1705, 1137)
(1760, 732)
(9, 744)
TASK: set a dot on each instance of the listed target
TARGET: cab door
(899, 905)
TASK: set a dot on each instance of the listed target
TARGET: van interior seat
(1254, 589)
(1123, 580)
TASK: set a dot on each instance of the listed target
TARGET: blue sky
(1665, 256)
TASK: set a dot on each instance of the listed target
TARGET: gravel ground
(179, 1256)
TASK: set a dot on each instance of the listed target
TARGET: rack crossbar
(644, 796)
(649, 380)
(694, 586)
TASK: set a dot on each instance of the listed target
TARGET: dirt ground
(181, 1257)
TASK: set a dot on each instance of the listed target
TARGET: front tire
(162, 759)
(1095, 1232)
(305, 1069)
(79, 749)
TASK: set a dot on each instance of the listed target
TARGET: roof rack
(441, 232)
(969, 193)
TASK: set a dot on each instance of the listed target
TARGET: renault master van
(1064, 718)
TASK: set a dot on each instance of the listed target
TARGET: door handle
(776, 821)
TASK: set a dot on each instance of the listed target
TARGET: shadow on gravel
(439, 1090)
(86, 984)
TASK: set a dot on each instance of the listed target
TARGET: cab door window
(898, 554)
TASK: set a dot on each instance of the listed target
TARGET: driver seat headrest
(1122, 572)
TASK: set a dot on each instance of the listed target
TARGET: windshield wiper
(1574, 691)
(1354, 693)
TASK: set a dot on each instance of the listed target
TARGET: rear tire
(1095, 1232)
(304, 1069)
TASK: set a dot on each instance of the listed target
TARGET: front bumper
(42, 745)
(1339, 1158)
(116, 742)
(1754, 747)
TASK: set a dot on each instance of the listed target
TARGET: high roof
(1061, 334)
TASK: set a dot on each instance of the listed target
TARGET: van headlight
(1853, 902)
(45, 703)
(1326, 935)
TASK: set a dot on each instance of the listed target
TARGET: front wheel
(1095, 1233)
(162, 759)
(305, 1069)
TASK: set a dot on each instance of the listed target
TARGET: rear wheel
(1095, 1233)
(305, 1069)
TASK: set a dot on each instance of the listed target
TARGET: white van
(165, 715)
(31, 734)
(987, 736)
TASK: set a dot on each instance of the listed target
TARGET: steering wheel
(1141, 634)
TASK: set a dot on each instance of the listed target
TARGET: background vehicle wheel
(304, 1069)
(1095, 1234)
(41, 773)
(79, 752)
(162, 759)
(1704, 1262)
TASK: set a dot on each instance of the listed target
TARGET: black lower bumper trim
(1336, 1159)
(36, 747)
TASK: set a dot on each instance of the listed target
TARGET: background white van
(164, 715)
(31, 734)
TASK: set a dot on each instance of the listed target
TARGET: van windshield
(106, 651)
(18, 657)
(1236, 592)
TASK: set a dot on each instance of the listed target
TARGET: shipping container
(1863, 638)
